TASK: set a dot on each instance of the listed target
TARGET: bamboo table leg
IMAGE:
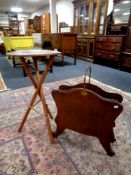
(25, 65)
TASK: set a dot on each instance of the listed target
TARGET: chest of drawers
(108, 48)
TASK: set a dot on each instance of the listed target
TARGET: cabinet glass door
(101, 19)
(93, 20)
(86, 19)
(76, 13)
(81, 20)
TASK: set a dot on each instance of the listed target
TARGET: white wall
(64, 9)
(40, 12)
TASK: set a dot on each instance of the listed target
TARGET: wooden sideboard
(85, 47)
(109, 48)
(126, 56)
(64, 42)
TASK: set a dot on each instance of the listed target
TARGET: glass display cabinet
(89, 20)
(90, 16)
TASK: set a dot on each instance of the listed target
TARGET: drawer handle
(98, 53)
(113, 39)
(113, 48)
(111, 56)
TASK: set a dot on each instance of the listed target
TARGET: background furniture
(120, 23)
(119, 18)
(89, 19)
(109, 48)
(85, 47)
(64, 42)
(45, 23)
(18, 43)
(126, 56)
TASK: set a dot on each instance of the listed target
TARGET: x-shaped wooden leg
(38, 91)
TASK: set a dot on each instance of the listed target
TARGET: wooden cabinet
(90, 16)
(128, 36)
(36, 24)
(109, 48)
(64, 42)
(85, 47)
(45, 23)
(89, 20)
(126, 56)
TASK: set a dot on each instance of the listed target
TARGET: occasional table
(35, 54)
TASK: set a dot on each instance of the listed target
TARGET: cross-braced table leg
(39, 92)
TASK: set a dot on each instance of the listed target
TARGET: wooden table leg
(42, 96)
(25, 65)
(29, 73)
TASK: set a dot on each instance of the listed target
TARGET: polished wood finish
(64, 42)
(85, 47)
(126, 56)
(128, 36)
(87, 16)
(89, 20)
(35, 54)
(109, 48)
(45, 23)
(86, 115)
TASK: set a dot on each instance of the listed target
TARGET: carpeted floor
(30, 153)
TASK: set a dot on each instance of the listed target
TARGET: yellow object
(22, 42)
(6, 41)
(18, 42)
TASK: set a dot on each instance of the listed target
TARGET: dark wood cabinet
(85, 47)
(89, 20)
(64, 42)
(109, 48)
(126, 56)
(128, 36)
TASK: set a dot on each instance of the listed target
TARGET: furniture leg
(75, 59)
(25, 65)
(107, 146)
(14, 65)
(42, 97)
(62, 59)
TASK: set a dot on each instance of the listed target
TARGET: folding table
(35, 54)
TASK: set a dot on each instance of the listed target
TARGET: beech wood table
(35, 54)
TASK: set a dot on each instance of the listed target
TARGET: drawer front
(101, 39)
(107, 55)
(99, 46)
(112, 48)
(108, 47)
(101, 54)
(83, 41)
(112, 56)
(115, 39)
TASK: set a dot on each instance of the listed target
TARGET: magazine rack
(89, 110)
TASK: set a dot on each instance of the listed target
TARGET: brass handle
(84, 92)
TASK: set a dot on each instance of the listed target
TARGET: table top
(33, 53)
